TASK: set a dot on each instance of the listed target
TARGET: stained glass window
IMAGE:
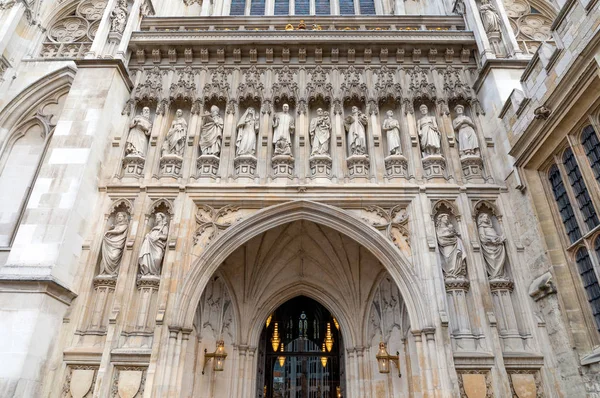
(322, 7)
(580, 190)
(302, 7)
(367, 7)
(564, 204)
(238, 7)
(347, 7)
(590, 282)
(590, 143)
(257, 7)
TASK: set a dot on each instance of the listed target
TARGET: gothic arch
(392, 259)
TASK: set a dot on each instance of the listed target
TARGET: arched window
(580, 190)
(590, 143)
(347, 7)
(257, 7)
(322, 7)
(564, 205)
(238, 7)
(590, 282)
(282, 7)
(367, 7)
(530, 22)
(302, 7)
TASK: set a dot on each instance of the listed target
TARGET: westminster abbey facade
(300, 198)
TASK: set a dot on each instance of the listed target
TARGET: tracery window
(580, 190)
(531, 24)
(591, 145)
(590, 282)
(71, 35)
(564, 204)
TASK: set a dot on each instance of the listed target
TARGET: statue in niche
(139, 131)
(283, 126)
(320, 133)
(113, 244)
(153, 247)
(119, 17)
(492, 246)
(357, 137)
(392, 128)
(468, 144)
(247, 128)
(211, 134)
(489, 17)
(451, 248)
(429, 133)
(175, 141)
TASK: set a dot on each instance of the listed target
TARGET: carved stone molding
(79, 381)
(318, 86)
(185, 87)
(392, 222)
(285, 89)
(128, 382)
(471, 383)
(211, 222)
(353, 86)
(252, 88)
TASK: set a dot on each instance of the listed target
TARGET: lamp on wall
(384, 359)
(219, 357)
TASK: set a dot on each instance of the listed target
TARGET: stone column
(104, 288)
(97, 48)
(505, 315)
(9, 19)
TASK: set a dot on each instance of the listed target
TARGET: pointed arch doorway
(301, 352)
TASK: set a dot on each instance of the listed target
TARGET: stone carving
(215, 311)
(542, 286)
(218, 88)
(454, 258)
(211, 134)
(139, 131)
(355, 125)
(318, 87)
(475, 383)
(464, 126)
(352, 87)
(252, 88)
(128, 382)
(393, 222)
(174, 144)
(113, 244)
(387, 310)
(68, 30)
(391, 127)
(526, 383)
(118, 17)
(247, 128)
(185, 88)
(212, 221)
(429, 133)
(489, 17)
(320, 133)
(79, 381)
(385, 87)
(419, 89)
(492, 246)
(151, 89)
(285, 88)
(153, 247)
(283, 128)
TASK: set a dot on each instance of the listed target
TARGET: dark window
(564, 205)
(322, 7)
(367, 7)
(580, 190)
(346, 7)
(590, 143)
(302, 7)
(597, 247)
(238, 7)
(257, 7)
(590, 282)
(282, 7)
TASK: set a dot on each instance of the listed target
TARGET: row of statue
(453, 253)
(247, 128)
(151, 252)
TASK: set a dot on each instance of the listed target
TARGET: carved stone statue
(247, 128)
(468, 143)
(392, 128)
(283, 126)
(492, 246)
(153, 247)
(489, 17)
(357, 137)
(113, 243)
(139, 131)
(320, 133)
(429, 133)
(119, 17)
(175, 142)
(211, 135)
(451, 248)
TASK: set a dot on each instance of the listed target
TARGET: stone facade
(173, 171)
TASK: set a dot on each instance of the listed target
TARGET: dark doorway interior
(308, 361)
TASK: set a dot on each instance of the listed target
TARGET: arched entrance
(300, 352)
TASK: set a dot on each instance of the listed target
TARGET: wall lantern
(384, 359)
(219, 357)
